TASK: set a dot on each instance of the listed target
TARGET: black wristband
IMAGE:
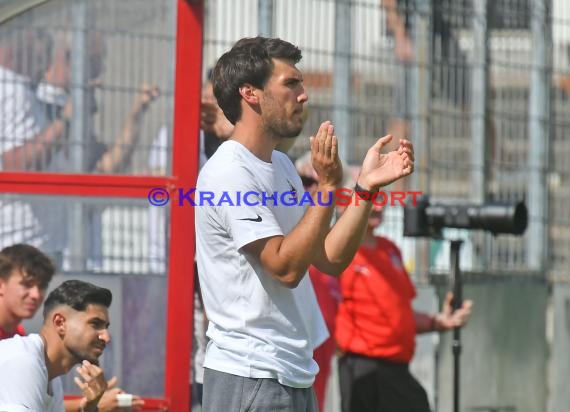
(363, 193)
(82, 409)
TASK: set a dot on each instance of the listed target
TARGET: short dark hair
(248, 61)
(35, 264)
(77, 295)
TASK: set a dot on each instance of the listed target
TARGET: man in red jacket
(25, 273)
(376, 328)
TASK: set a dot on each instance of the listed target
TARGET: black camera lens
(425, 219)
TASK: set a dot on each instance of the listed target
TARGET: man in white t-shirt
(253, 253)
(75, 330)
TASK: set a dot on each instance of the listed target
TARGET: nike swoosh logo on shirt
(253, 219)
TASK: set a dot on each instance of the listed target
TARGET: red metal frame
(185, 168)
(184, 173)
(83, 185)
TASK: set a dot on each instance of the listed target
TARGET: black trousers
(376, 385)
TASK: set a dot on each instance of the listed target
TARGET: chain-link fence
(481, 87)
(472, 145)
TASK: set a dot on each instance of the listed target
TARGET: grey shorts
(224, 392)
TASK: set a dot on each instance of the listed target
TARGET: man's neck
(255, 139)
(4, 334)
(8, 322)
(57, 363)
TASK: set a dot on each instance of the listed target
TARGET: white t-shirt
(24, 384)
(258, 327)
(21, 118)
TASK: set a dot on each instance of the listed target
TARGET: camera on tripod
(424, 219)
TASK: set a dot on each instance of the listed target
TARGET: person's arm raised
(378, 170)
(32, 154)
(117, 157)
(286, 258)
(396, 25)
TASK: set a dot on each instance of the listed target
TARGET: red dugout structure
(186, 124)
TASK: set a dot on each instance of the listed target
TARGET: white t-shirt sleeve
(245, 214)
(21, 384)
(21, 118)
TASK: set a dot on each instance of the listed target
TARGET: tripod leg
(457, 288)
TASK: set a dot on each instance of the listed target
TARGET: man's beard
(283, 130)
(275, 124)
(80, 357)
(279, 127)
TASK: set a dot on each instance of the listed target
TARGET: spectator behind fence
(376, 327)
(265, 322)
(327, 291)
(75, 330)
(34, 131)
(25, 273)
(450, 76)
(53, 91)
(27, 138)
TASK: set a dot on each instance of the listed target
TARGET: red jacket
(19, 331)
(375, 317)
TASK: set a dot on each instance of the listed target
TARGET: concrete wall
(559, 334)
(505, 352)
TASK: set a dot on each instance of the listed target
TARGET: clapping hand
(380, 169)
